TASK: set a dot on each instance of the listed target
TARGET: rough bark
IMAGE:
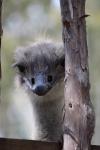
(79, 115)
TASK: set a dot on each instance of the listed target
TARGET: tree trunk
(79, 118)
(0, 34)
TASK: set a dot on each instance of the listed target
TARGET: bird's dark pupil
(49, 78)
(21, 68)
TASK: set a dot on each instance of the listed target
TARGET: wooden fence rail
(19, 144)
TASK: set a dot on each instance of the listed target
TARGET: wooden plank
(19, 144)
(94, 147)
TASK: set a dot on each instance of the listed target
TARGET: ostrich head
(40, 66)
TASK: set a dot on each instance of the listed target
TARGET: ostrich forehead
(41, 52)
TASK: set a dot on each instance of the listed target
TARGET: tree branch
(79, 113)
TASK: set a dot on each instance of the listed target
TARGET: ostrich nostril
(33, 81)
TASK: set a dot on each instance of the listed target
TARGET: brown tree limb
(79, 115)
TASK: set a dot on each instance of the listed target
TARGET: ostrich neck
(48, 110)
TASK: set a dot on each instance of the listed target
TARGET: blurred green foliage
(27, 20)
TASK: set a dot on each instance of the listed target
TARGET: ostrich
(40, 73)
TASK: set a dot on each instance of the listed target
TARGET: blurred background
(23, 22)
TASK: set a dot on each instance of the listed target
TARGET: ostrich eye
(50, 78)
(21, 68)
(33, 81)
